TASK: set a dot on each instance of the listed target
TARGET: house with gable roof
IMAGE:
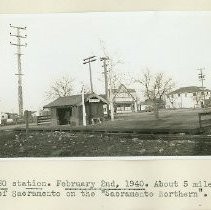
(188, 97)
(125, 99)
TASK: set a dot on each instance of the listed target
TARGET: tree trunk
(156, 110)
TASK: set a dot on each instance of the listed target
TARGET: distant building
(188, 97)
(8, 118)
(68, 110)
(124, 99)
(3, 118)
(148, 105)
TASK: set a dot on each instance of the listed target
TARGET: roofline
(180, 92)
(57, 106)
(77, 104)
(122, 85)
(94, 94)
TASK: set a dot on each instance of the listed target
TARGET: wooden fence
(43, 120)
(204, 119)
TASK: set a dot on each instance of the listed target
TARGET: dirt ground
(65, 144)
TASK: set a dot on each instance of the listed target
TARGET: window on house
(120, 108)
(194, 94)
(127, 108)
(186, 94)
(178, 94)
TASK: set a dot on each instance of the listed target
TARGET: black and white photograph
(105, 84)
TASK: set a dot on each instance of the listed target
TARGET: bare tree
(198, 97)
(172, 101)
(116, 78)
(113, 77)
(61, 87)
(112, 64)
(156, 87)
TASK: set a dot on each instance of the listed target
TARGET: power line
(18, 44)
(89, 60)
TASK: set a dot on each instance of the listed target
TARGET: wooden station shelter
(68, 110)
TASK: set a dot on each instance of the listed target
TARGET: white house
(125, 99)
(188, 97)
(3, 118)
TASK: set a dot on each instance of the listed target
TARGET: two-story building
(124, 99)
(188, 97)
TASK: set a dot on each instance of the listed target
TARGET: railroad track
(164, 135)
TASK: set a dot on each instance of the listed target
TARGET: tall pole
(89, 60)
(202, 78)
(105, 72)
(18, 44)
(83, 107)
(90, 77)
(111, 103)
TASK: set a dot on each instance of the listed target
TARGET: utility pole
(83, 107)
(111, 93)
(18, 44)
(201, 76)
(111, 101)
(105, 72)
(89, 60)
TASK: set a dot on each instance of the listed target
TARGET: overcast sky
(176, 43)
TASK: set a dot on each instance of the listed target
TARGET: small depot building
(68, 110)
